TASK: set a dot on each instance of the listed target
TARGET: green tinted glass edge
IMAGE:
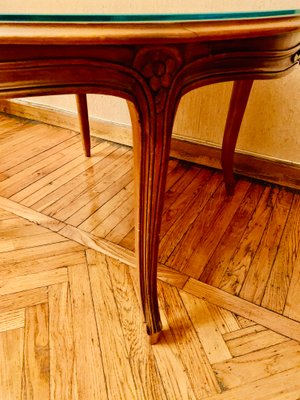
(145, 17)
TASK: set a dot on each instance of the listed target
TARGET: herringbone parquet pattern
(70, 321)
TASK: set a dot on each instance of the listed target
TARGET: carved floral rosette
(158, 66)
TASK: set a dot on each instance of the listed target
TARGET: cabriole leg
(238, 102)
(84, 123)
(151, 154)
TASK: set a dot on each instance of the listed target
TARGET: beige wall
(140, 6)
(270, 127)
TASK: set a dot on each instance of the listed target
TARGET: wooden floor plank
(180, 195)
(61, 341)
(11, 356)
(102, 213)
(207, 330)
(117, 370)
(202, 379)
(147, 378)
(26, 298)
(114, 218)
(40, 264)
(282, 386)
(18, 180)
(22, 190)
(31, 215)
(171, 239)
(267, 318)
(258, 364)
(251, 339)
(117, 234)
(254, 285)
(292, 305)
(12, 319)
(32, 281)
(90, 380)
(67, 138)
(90, 201)
(225, 320)
(36, 144)
(35, 378)
(57, 197)
(41, 196)
(113, 163)
(281, 274)
(240, 262)
(206, 239)
(19, 146)
(30, 241)
(214, 344)
(32, 253)
(21, 230)
(217, 265)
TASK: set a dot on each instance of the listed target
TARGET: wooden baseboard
(274, 171)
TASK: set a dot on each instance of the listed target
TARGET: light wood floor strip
(66, 141)
(70, 162)
(199, 242)
(217, 265)
(12, 320)
(171, 239)
(194, 359)
(11, 356)
(26, 298)
(39, 264)
(90, 380)
(258, 364)
(62, 356)
(269, 319)
(40, 252)
(36, 379)
(292, 306)
(30, 148)
(225, 320)
(116, 366)
(18, 180)
(31, 215)
(254, 285)
(105, 175)
(71, 321)
(251, 339)
(206, 328)
(35, 199)
(121, 254)
(54, 198)
(242, 258)
(32, 281)
(281, 274)
(282, 386)
(148, 374)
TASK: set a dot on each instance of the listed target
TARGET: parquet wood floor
(70, 321)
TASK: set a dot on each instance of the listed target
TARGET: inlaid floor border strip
(234, 304)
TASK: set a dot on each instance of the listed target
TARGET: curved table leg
(238, 102)
(84, 123)
(151, 155)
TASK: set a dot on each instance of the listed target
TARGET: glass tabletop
(143, 11)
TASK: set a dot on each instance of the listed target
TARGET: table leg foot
(230, 186)
(154, 337)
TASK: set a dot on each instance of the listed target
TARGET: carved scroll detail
(159, 66)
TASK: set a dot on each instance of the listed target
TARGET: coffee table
(151, 59)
